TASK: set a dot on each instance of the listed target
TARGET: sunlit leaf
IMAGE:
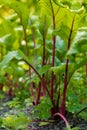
(73, 5)
(79, 44)
(20, 8)
(43, 123)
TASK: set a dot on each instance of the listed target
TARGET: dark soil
(60, 125)
(75, 122)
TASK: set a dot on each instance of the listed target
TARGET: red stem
(65, 89)
(53, 51)
(66, 72)
(44, 84)
(33, 69)
(31, 89)
(39, 93)
(41, 79)
(58, 97)
(66, 122)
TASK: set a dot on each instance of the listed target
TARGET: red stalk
(1, 86)
(31, 90)
(53, 50)
(33, 69)
(66, 72)
(66, 122)
(39, 93)
(65, 89)
(57, 103)
(10, 92)
(55, 108)
(41, 79)
(9, 82)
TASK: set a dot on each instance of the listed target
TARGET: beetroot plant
(50, 43)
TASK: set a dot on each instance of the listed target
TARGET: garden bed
(76, 123)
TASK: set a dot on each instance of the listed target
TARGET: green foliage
(15, 103)
(28, 30)
(45, 6)
(1, 121)
(70, 4)
(42, 111)
(43, 123)
(79, 42)
(20, 9)
(9, 57)
(16, 122)
(75, 128)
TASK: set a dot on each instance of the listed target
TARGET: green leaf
(81, 63)
(59, 70)
(79, 11)
(59, 3)
(60, 45)
(44, 24)
(44, 69)
(4, 38)
(73, 67)
(2, 79)
(76, 66)
(22, 11)
(75, 128)
(43, 123)
(7, 39)
(74, 5)
(20, 8)
(46, 8)
(79, 44)
(9, 57)
(8, 30)
(19, 55)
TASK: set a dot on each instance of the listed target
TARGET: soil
(75, 122)
(60, 125)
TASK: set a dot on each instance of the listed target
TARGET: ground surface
(74, 122)
(51, 125)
